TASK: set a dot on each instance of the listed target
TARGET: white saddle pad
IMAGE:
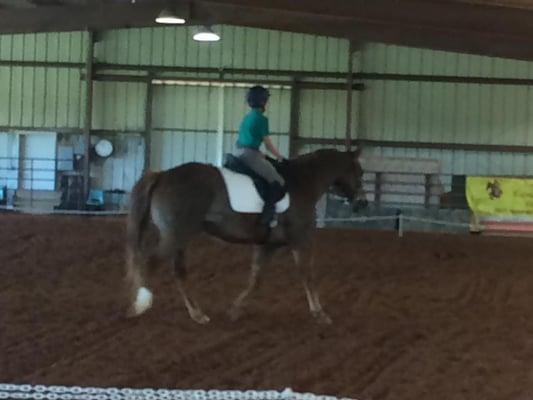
(243, 195)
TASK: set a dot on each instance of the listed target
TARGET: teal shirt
(254, 127)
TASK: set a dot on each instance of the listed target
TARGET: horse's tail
(141, 197)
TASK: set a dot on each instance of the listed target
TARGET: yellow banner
(499, 196)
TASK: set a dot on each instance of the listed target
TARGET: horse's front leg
(304, 260)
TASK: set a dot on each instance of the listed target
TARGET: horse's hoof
(130, 312)
(200, 318)
(235, 313)
(143, 302)
(322, 318)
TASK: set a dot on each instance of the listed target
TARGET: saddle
(249, 192)
(264, 189)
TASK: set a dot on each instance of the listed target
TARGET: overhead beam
(456, 41)
(372, 26)
(95, 17)
(520, 4)
(418, 145)
(357, 76)
(17, 3)
(158, 69)
(40, 64)
(185, 78)
(470, 28)
(213, 70)
(419, 13)
(477, 80)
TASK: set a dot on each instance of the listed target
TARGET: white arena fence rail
(62, 212)
(42, 392)
(400, 219)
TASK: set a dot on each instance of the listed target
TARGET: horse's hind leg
(176, 227)
(303, 257)
(261, 256)
(180, 270)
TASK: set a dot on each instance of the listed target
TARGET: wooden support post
(88, 114)
(427, 190)
(220, 128)
(349, 94)
(377, 188)
(294, 123)
(148, 106)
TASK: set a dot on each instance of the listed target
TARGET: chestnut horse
(192, 198)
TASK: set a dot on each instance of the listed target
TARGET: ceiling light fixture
(206, 34)
(168, 17)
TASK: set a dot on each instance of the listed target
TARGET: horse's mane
(318, 156)
(304, 167)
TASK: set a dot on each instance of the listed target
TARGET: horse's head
(349, 183)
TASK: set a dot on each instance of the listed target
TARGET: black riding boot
(273, 195)
(268, 214)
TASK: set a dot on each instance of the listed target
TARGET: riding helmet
(257, 96)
